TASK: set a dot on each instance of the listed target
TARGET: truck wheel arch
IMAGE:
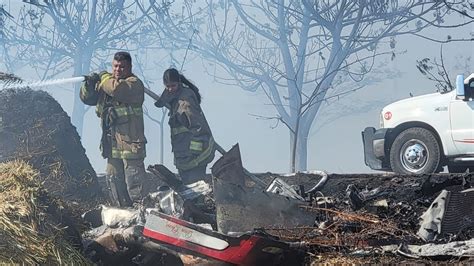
(400, 128)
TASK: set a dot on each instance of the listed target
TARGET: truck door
(462, 125)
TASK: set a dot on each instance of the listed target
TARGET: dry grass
(28, 233)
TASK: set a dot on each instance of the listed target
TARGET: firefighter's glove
(179, 120)
(92, 79)
(184, 120)
(104, 76)
(161, 104)
(165, 100)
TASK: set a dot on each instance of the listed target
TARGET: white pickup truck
(421, 135)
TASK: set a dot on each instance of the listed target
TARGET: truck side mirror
(469, 85)
(460, 93)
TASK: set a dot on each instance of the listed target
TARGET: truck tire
(415, 151)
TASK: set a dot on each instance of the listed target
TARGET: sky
(335, 147)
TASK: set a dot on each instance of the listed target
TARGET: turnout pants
(193, 175)
(124, 180)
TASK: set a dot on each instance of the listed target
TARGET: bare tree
(3, 16)
(294, 51)
(463, 7)
(56, 36)
(437, 71)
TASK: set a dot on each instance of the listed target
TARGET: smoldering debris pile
(34, 128)
(303, 220)
(34, 228)
(387, 218)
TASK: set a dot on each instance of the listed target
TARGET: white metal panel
(462, 125)
(175, 230)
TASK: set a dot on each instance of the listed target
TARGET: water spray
(41, 83)
(49, 82)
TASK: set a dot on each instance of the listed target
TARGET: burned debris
(234, 237)
(237, 196)
(321, 226)
(450, 214)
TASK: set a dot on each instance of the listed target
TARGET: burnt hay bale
(35, 229)
(34, 128)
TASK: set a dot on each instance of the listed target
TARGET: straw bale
(34, 227)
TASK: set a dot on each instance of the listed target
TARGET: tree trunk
(299, 150)
(162, 135)
(305, 121)
(302, 152)
(293, 147)
(82, 63)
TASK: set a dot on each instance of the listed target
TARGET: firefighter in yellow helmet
(191, 138)
(118, 97)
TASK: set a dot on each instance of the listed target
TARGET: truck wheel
(415, 151)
